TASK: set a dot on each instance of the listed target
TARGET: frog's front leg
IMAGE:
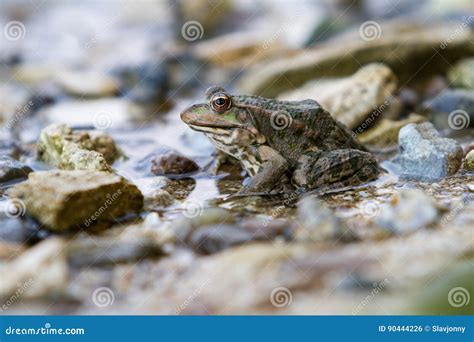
(328, 171)
(270, 173)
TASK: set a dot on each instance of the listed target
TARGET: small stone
(86, 83)
(207, 217)
(462, 74)
(424, 155)
(469, 161)
(11, 169)
(408, 211)
(452, 109)
(385, 132)
(158, 199)
(212, 239)
(66, 199)
(172, 163)
(66, 149)
(318, 223)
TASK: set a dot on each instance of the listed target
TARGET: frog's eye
(221, 102)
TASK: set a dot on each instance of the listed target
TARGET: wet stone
(318, 223)
(469, 161)
(157, 199)
(172, 163)
(408, 211)
(66, 199)
(66, 149)
(424, 155)
(452, 109)
(12, 169)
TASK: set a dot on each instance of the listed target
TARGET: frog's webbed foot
(216, 164)
(328, 171)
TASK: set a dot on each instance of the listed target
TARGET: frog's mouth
(207, 121)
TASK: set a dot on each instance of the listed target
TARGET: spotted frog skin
(282, 144)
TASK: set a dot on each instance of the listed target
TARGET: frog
(282, 145)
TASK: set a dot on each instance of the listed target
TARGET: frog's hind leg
(337, 170)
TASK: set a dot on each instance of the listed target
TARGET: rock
(385, 132)
(146, 83)
(103, 113)
(424, 155)
(157, 199)
(66, 149)
(66, 199)
(9, 250)
(316, 222)
(469, 161)
(246, 48)
(214, 238)
(452, 109)
(404, 214)
(39, 271)
(207, 217)
(352, 99)
(15, 230)
(172, 163)
(83, 83)
(462, 74)
(404, 47)
(15, 103)
(115, 246)
(11, 169)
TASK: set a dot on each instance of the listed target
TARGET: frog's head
(219, 115)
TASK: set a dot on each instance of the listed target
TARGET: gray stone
(452, 109)
(424, 155)
(469, 161)
(11, 169)
(318, 223)
(409, 211)
(66, 149)
(66, 199)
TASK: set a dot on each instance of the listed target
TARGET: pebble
(61, 200)
(12, 169)
(82, 83)
(462, 74)
(316, 222)
(66, 149)
(424, 155)
(172, 163)
(408, 211)
(451, 109)
(157, 199)
(469, 161)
